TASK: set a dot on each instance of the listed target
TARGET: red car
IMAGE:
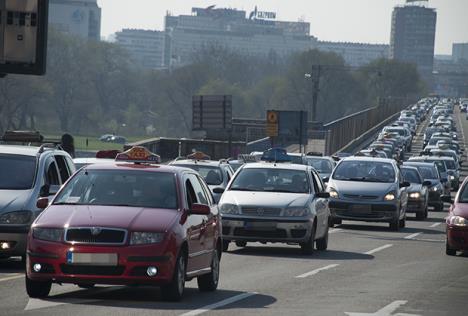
(132, 222)
(457, 221)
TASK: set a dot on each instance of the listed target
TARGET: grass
(92, 143)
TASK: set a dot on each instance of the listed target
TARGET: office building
(460, 52)
(355, 54)
(146, 48)
(77, 17)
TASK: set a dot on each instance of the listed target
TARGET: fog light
(151, 271)
(5, 246)
(37, 267)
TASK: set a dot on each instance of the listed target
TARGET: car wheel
(38, 289)
(241, 243)
(86, 286)
(307, 247)
(322, 243)
(209, 282)
(395, 225)
(175, 289)
(402, 222)
(449, 251)
(226, 245)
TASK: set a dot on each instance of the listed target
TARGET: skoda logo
(95, 231)
(261, 211)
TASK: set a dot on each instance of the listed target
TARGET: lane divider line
(314, 272)
(12, 277)
(225, 302)
(435, 225)
(370, 252)
(412, 236)
(335, 230)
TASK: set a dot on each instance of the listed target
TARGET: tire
(395, 225)
(174, 291)
(241, 243)
(322, 243)
(332, 222)
(449, 251)
(402, 222)
(38, 289)
(209, 282)
(225, 245)
(307, 247)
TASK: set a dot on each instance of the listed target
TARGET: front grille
(226, 230)
(91, 270)
(277, 233)
(360, 197)
(95, 235)
(260, 211)
(343, 206)
(298, 233)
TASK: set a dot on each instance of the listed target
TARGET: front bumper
(131, 267)
(457, 237)
(17, 244)
(363, 210)
(415, 206)
(266, 229)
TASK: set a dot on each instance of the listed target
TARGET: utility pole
(317, 70)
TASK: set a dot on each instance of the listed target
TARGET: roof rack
(50, 146)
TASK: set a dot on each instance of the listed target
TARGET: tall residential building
(258, 34)
(413, 36)
(355, 54)
(460, 52)
(76, 17)
(146, 48)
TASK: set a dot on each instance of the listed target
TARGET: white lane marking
(435, 225)
(335, 230)
(225, 302)
(12, 277)
(370, 252)
(385, 311)
(412, 235)
(314, 272)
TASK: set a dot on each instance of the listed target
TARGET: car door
(211, 226)
(403, 191)
(321, 205)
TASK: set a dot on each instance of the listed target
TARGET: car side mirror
(200, 209)
(446, 199)
(42, 203)
(427, 183)
(44, 191)
(444, 180)
(405, 184)
(322, 195)
(218, 190)
(325, 179)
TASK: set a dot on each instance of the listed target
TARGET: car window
(411, 175)
(52, 177)
(198, 189)
(17, 172)
(62, 167)
(207, 191)
(463, 195)
(320, 164)
(428, 173)
(318, 185)
(366, 171)
(212, 175)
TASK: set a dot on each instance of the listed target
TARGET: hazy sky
(332, 20)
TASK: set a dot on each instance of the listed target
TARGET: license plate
(259, 225)
(361, 208)
(100, 259)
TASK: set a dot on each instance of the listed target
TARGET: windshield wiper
(281, 191)
(66, 203)
(241, 189)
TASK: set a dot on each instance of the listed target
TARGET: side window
(207, 191)
(62, 167)
(191, 197)
(318, 181)
(199, 193)
(52, 177)
(314, 182)
(70, 165)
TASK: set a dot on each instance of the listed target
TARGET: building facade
(146, 48)
(413, 36)
(355, 54)
(460, 52)
(258, 34)
(77, 17)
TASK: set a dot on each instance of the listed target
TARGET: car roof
(371, 159)
(278, 165)
(193, 162)
(419, 158)
(19, 150)
(419, 163)
(93, 160)
(122, 165)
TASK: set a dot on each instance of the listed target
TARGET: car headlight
(435, 189)
(18, 217)
(452, 177)
(296, 211)
(415, 195)
(457, 221)
(333, 193)
(49, 234)
(142, 238)
(390, 196)
(232, 209)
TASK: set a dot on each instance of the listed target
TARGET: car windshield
(120, 188)
(320, 164)
(450, 164)
(271, 180)
(366, 171)
(17, 172)
(439, 164)
(463, 195)
(212, 175)
(427, 172)
(411, 175)
(394, 130)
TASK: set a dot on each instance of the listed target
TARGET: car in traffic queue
(26, 173)
(217, 174)
(134, 222)
(324, 165)
(457, 221)
(276, 201)
(418, 193)
(403, 132)
(372, 153)
(368, 189)
(441, 167)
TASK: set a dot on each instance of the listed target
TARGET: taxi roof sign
(138, 154)
(199, 156)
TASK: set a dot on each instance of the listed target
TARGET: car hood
(415, 187)
(357, 187)
(132, 218)
(13, 200)
(265, 199)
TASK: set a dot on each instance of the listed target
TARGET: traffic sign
(272, 124)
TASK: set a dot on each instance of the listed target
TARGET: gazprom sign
(263, 15)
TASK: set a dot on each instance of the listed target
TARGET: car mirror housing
(427, 183)
(42, 203)
(322, 195)
(200, 209)
(218, 190)
(325, 179)
(405, 184)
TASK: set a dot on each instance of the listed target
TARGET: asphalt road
(368, 270)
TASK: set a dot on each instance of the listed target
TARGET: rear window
(321, 165)
(212, 175)
(17, 172)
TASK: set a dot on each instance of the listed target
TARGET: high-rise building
(146, 48)
(258, 34)
(413, 36)
(460, 52)
(355, 54)
(76, 17)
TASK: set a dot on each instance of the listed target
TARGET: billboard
(287, 126)
(212, 112)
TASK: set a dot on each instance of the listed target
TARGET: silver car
(276, 202)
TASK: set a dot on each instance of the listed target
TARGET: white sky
(332, 20)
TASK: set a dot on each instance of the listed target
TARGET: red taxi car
(132, 222)
(457, 221)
